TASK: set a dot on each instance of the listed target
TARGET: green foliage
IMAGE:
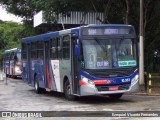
(10, 36)
(22, 8)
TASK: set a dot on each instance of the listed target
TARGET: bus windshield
(108, 53)
(18, 58)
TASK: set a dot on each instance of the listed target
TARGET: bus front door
(74, 64)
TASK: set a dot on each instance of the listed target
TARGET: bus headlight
(85, 81)
(135, 80)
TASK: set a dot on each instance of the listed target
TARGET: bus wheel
(67, 91)
(14, 77)
(36, 85)
(116, 96)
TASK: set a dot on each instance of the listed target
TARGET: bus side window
(33, 50)
(66, 47)
(15, 58)
(14, 55)
(53, 48)
(39, 49)
(59, 47)
(24, 51)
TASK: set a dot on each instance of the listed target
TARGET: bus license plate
(112, 88)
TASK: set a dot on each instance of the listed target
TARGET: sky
(4, 16)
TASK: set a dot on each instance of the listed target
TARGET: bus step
(48, 89)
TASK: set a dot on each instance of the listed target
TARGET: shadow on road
(101, 100)
(83, 100)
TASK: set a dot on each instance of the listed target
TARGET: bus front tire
(67, 91)
(116, 96)
(36, 85)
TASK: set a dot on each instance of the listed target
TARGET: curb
(146, 94)
(154, 94)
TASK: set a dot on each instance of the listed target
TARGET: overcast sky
(8, 17)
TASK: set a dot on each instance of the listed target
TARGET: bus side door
(74, 65)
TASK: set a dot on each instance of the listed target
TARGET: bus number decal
(126, 80)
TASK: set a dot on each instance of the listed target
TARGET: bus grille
(106, 88)
(112, 73)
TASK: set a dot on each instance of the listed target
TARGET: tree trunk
(127, 12)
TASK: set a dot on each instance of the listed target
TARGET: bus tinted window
(24, 51)
(66, 47)
(33, 50)
(55, 51)
(53, 48)
(40, 49)
(7, 56)
(19, 56)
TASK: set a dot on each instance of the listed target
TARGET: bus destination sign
(106, 31)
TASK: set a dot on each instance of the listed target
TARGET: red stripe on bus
(48, 78)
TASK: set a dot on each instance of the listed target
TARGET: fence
(153, 83)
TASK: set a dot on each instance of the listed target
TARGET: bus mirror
(15, 58)
(53, 49)
(74, 36)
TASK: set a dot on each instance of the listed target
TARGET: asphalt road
(19, 96)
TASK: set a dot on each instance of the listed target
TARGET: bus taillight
(17, 68)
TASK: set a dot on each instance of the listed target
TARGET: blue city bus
(83, 61)
(12, 62)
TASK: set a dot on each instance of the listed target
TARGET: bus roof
(10, 50)
(47, 35)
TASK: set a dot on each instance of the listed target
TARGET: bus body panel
(55, 70)
(37, 67)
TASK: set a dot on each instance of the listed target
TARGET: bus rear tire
(14, 77)
(36, 85)
(67, 91)
(116, 96)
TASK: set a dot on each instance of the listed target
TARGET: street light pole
(141, 57)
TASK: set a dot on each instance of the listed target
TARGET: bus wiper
(101, 45)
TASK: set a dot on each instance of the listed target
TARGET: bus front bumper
(87, 90)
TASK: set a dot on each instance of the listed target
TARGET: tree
(10, 36)
(115, 11)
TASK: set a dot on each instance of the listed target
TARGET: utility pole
(141, 46)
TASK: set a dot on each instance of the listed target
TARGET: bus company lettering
(55, 66)
(126, 80)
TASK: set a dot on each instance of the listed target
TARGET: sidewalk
(3, 78)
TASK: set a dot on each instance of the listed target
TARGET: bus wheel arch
(67, 89)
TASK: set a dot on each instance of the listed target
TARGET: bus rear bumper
(18, 73)
(87, 90)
